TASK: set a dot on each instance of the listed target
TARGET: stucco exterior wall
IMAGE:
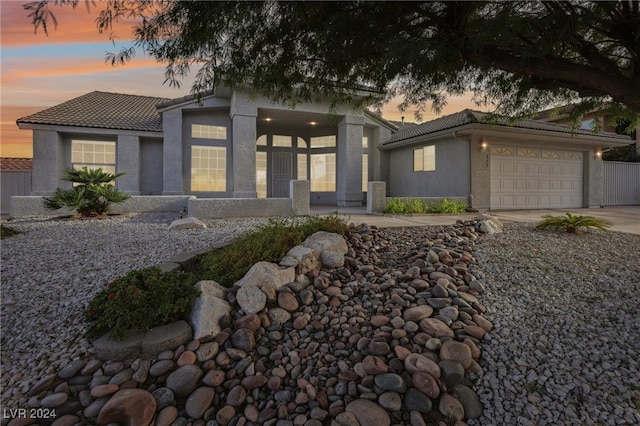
(48, 161)
(151, 166)
(451, 177)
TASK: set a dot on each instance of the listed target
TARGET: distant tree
(516, 56)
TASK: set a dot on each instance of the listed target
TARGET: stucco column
(172, 172)
(243, 119)
(48, 162)
(480, 166)
(128, 161)
(349, 161)
(593, 192)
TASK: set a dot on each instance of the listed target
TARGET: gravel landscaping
(565, 347)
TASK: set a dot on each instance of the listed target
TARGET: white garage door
(531, 178)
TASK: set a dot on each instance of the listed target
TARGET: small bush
(141, 300)
(572, 224)
(7, 232)
(269, 243)
(448, 206)
(416, 206)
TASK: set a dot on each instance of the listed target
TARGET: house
(230, 145)
(15, 177)
(497, 164)
(223, 144)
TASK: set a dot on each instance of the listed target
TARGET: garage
(534, 178)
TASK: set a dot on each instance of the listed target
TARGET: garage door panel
(546, 179)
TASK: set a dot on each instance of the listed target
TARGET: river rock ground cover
(578, 299)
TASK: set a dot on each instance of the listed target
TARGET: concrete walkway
(624, 218)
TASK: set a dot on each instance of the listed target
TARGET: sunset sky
(38, 72)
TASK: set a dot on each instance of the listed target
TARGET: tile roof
(103, 110)
(468, 116)
(16, 164)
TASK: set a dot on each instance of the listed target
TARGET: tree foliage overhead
(516, 56)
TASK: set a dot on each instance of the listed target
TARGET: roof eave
(84, 129)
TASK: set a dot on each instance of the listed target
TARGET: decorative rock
(418, 313)
(266, 274)
(166, 416)
(456, 351)
(378, 347)
(163, 396)
(489, 224)
(251, 321)
(374, 365)
(306, 258)
(106, 348)
(214, 378)
(187, 223)
(166, 337)
(251, 299)
(104, 390)
(71, 369)
(199, 401)
(161, 367)
(470, 401)
(332, 248)
(418, 363)
(208, 311)
(207, 351)
(414, 400)
(236, 397)
(42, 384)
(391, 401)
(278, 316)
(184, 380)
(368, 413)
(435, 328)
(128, 407)
(426, 384)
(450, 407)
(54, 400)
(66, 420)
(287, 301)
(244, 339)
(379, 320)
(390, 382)
(225, 415)
(452, 372)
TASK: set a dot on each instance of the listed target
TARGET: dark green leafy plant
(572, 223)
(7, 232)
(140, 300)
(416, 206)
(269, 243)
(92, 194)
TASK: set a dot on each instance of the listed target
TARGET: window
(261, 174)
(365, 142)
(202, 131)
(323, 172)
(93, 155)
(323, 141)
(424, 159)
(588, 124)
(301, 143)
(282, 141)
(302, 166)
(262, 141)
(365, 172)
(208, 168)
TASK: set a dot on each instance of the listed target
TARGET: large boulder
(488, 224)
(209, 310)
(187, 223)
(305, 259)
(267, 274)
(332, 248)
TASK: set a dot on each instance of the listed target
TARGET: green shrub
(7, 232)
(92, 195)
(396, 206)
(448, 206)
(572, 224)
(269, 243)
(416, 206)
(141, 300)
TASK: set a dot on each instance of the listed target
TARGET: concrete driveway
(624, 218)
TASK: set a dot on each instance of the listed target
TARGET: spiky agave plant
(92, 194)
(573, 223)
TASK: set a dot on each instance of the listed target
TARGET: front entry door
(281, 173)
